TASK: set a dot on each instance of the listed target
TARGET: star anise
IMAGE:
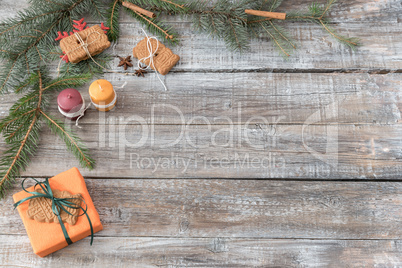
(140, 72)
(125, 62)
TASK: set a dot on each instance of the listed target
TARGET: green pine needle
(113, 20)
(21, 127)
(27, 45)
(72, 141)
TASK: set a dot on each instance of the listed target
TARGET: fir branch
(155, 26)
(9, 170)
(317, 15)
(328, 6)
(11, 119)
(21, 127)
(62, 82)
(282, 34)
(26, 39)
(113, 20)
(223, 19)
(72, 141)
(276, 40)
(351, 42)
(176, 5)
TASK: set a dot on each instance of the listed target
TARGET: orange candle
(102, 95)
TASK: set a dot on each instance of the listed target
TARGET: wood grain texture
(224, 98)
(239, 208)
(317, 50)
(257, 151)
(202, 252)
(342, 11)
(327, 113)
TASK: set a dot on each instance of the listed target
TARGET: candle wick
(100, 86)
(69, 96)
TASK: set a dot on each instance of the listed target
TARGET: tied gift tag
(79, 48)
(150, 57)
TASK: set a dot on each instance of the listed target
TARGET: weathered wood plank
(217, 151)
(200, 252)
(223, 98)
(238, 208)
(343, 11)
(381, 50)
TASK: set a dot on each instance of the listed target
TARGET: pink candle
(71, 103)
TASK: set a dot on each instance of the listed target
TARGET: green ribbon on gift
(58, 204)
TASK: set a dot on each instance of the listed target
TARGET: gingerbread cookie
(40, 209)
(95, 38)
(163, 60)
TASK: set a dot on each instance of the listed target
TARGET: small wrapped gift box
(46, 236)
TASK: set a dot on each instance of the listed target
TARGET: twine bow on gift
(58, 205)
(83, 45)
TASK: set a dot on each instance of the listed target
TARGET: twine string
(150, 57)
(58, 205)
(80, 113)
(84, 45)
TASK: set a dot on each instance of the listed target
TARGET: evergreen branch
(165, 32)
(12, 134)
(113, 21)
(52, 2)
(154, 26)
(28, 20)
(281, 34)
(15, 70)
(19, 160)
(100, 15)
(73, 80)
(13, 167)
(20, 87)
(161, 5)
(275, 4)
(224, 20)
(71, 140)
(26, 40)
(8, 75)
(348, 41)
(40, 55)
(275, 40)
(329, 4)
(235, 35)
(20, 128)
(26, 60)
(176, 5)
(3, 124)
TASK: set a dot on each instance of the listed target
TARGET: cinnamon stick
(136, 8)
(267, 14)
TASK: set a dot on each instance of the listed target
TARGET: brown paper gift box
(47, 238)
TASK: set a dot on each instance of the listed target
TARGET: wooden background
(340, 206)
